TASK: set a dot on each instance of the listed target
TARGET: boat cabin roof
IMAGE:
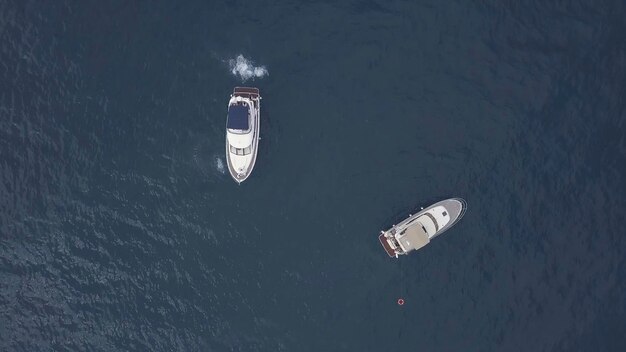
(238, 117)
(414, 237)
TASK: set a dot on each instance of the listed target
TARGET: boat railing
(463, 209)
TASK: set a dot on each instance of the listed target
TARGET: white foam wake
(245, 69)
(219, 164)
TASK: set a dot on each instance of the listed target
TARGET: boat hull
(434, 220)
(240, 166)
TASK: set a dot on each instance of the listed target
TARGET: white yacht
(417, 230)
(242, 131)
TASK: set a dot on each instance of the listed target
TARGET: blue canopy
(238, 117)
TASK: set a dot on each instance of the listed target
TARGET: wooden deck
(385, 245)
(247, 92)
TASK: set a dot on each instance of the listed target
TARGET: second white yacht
(417, 230)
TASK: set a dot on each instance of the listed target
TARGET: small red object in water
(400, 301)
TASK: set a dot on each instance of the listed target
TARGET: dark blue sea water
(120, 231)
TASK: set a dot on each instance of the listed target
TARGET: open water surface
(121, 231)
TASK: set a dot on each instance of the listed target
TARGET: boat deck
(247, 92)
(385, 245)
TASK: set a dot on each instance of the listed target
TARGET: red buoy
(400, 301)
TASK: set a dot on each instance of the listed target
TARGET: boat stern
(383, 241)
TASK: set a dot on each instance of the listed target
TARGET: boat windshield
(241, 151)
(238, 118)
